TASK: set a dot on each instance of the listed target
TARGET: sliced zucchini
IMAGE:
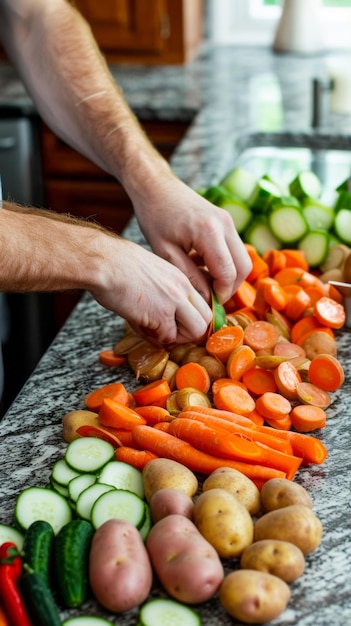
(342, 225)
(239, 211)
(264, 193)
(88, 454)
(288, 224)
(123, 476)
(78, 484)
(259, 235)
(315, 246)
(88, 497)
(285, 201)
(40, 503)
(318, 215)
(164, 612)
(118, 504)
(306, 185)
(239, 182)
(9, 533)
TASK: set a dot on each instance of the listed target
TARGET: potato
(162, 473)
(279, 492)
(295, 523)
(237, 484)
(253, 597)
(187, 566)
(224, 521)
(280, 558)
(319, 342)
(74, 419)
(168, 501)
(120, 572)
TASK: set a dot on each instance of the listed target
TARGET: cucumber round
(88, 497)
(122, 476)
(318, 215)
(86, 620)
(264, 193)
(79, 484)
(288, 224)
(119, 504)
(147, 523)
(9, 533)
(62, 473)
(40, 503)
(315, 246)
(164, 611)
(88, 454)
(259, 235)
(306, 185)
(239, 182)
(342, 226)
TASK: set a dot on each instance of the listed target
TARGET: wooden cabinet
(74, 185)
(145, 31)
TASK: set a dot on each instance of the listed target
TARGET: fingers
(233, 267)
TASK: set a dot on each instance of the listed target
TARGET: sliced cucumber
(288, 224)
(315, 246)
(264, 193)
(9, 533)
(40, 503)
(259, 235)
(61, 489)
(306, 185)
(118, 504)
(164, 612)
(318, 215)
(342, 226)
(62, 473)
(239, 182)
(285, 201)
(239, 211)
(123, 476)
(88, 454)
(147, 523)
(79, 484)
(86, 620)
(88, 497)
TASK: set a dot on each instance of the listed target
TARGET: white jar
(299, 27)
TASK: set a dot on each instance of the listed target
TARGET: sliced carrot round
(220, 382)
(301, 327)
(152, 392)
(297, 305)
(276, 296)
(261, 335)
(221, 343)
(259, 380)
(282, 424)
(326, 372)
(287, 379)
(329, 312)
(240, 361)
(308, 393)
(116, 391)
(273, 406)
(192, 375)
(108, 357)
(235, 399)
(306, 418)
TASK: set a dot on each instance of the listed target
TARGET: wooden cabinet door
(137, 25)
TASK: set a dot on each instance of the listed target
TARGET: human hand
(154, 296)
(190, 232)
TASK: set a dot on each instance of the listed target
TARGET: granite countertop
(223, 92)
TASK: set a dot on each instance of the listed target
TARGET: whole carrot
(165, 445)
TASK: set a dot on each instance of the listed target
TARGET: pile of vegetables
(269, 215)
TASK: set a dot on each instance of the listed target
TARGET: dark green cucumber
(37, 548)
(71, 562)
(39, 600)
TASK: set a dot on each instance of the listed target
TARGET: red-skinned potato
(169, 501)
(187, 566)
(120, 572)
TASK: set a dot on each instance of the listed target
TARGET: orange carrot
(303, 326)
(289, 276)
(332, 292)
(326, 372)
(222, 342)
(152, 392)
(275, 260)
(308, 393)
(153, 414)
(330, 313)
(295, 258)
(234, 398)
(287, 378)
(220, 382)
(133, 456)
(275, 296)
(297, 305)
(116, 391)
(261, 335)
(273, 405)
(192, 375)
(259, 380)
(259, 265)
(283, 423)
(239, 361)
(87, 430)
(311, 449)
(125, 436)
(315, 292)
(108, 357)
(256, 418)
(244, 295)
(117, 415)
(165, 445)
(306, 418)
(232, 446)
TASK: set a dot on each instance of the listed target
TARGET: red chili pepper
(10, 572)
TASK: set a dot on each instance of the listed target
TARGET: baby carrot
(239, 361)
(133, 456)
(259, 380)
(273, 405)
(165, 445)
(234, 398)
(222, 342)
(326, 372)
(117, 415)
(116, 391)
(192, 375)
(261, 335)
(108, 357)
(306, 418)
(152, 392)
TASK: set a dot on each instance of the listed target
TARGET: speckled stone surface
(217, 91)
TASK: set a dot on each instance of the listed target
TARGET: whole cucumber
(39, 600)
(37, 548)
(71, 562)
